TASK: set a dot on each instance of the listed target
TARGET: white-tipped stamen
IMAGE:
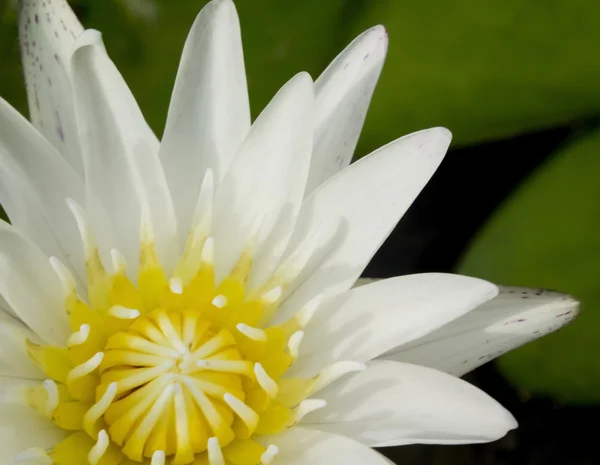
(99, 449)
(215, 454)
(219, 301)
(85, 368)
(176, 285)
(272, 296)
(267, 383)
(158, 458)
(99, 408)
(294, 343)
(334, 372)
(79, 337)
(246, 414)
(33, 456)
(307, 406)
(256, 334)
(179, 346)
(267, 457)
(53, 397)
(123, 313)
(64, 275)
(308, 311)
(119, 263)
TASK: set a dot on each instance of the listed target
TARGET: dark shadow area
(470, 184)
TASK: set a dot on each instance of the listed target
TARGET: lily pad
(548, 235)
(485, 70)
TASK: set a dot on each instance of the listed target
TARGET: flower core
(175, 370)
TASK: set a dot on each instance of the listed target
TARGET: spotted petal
(515, 317)
(343, 93)
(368, 321)
(47, 31)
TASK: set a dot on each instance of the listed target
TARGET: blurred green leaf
(548, 235)
(12, 87)
(484, 69)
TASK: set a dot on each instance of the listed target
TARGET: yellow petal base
(175, 371)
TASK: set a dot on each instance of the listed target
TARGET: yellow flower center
(179, 370)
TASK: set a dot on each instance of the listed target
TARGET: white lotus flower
(208, 317)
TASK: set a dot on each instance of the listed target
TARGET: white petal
(22, 428)
(120, 155)
(364, 202)
(35, 181)
(515, 317)
(266, 180)
(6, 310)
(31, 287)
(300, 446)
(14, 359)
(394, 403)
(209, 114)
(368, 321)
(343, 93)
(47, 32)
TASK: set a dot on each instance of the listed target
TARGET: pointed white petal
(366, 322)
(209, 114)
(515, 317)
(34, 183)
(47, 31)
(120, 154)
(31, 287)
(394, 403)
(266, 180)
(364, 202)
(22, 428)
(343, 93)
(300, 446)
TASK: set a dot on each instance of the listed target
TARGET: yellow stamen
(215, 454)
(268, 384)
(97, 410)
(53, 396)
(175, 369)
(256, 334)
(99, 448)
